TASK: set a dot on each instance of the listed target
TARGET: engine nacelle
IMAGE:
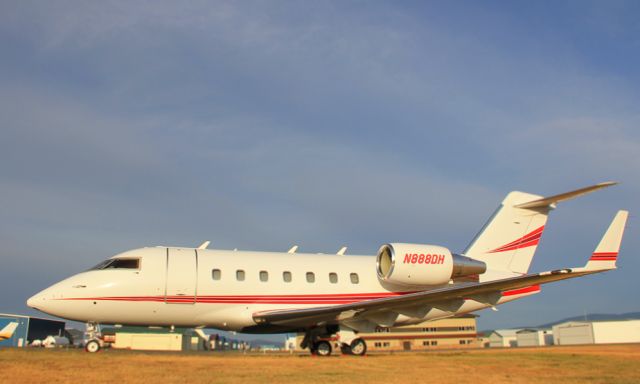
(423, 264)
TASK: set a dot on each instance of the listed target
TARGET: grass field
(583, 364)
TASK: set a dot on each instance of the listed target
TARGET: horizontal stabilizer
(547, 201)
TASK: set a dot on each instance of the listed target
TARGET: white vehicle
(329, 297)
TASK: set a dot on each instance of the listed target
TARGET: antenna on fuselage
(341, 251)
(204, 245)
(293, 249)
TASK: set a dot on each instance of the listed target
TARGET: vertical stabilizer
(509, 240)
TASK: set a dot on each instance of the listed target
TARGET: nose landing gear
(92, 346)
(93, 340)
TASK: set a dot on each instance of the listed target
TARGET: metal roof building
(596, 332)
(531, 337)
(503, 338)
(19, 330)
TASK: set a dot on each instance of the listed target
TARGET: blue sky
(258, 125)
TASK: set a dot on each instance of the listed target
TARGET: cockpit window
(118, 264)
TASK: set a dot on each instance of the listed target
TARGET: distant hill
(593, 317)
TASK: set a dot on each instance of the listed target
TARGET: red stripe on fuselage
(275, 299)
(344, 298)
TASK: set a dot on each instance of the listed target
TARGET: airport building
(503, 338)
(596, 332)
(455, 332)
(532, 337)
(20, 331)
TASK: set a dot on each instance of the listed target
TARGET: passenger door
(182, 274)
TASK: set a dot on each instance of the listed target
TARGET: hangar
(20, 331)
(596, 332)
(532, 337)
(503, 338)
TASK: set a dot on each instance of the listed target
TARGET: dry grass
(583, 364)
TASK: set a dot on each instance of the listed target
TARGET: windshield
(130, 263)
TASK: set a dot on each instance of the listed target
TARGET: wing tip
(605, 255)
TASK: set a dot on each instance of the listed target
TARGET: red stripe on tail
(604, 256)
(528, 240)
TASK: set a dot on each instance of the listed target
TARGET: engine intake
(423, 264)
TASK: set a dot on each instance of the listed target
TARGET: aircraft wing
(418, 303)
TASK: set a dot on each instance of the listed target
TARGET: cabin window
(240, 275)
(286, 276)
(354, 278)
(264, 276)
(311, 277)
(216, 274)
(333, 278)
(120, 263)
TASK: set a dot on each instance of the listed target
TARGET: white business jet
(323, 296)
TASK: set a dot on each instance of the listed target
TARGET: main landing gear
(323, 341)
(322, 348)
(358, 347)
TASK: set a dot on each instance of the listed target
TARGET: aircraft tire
(92, 346)
(323, 348)
(358, 347)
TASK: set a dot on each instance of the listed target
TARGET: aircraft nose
(36, 301)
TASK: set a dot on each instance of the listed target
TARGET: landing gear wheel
(358, 347)
(323, 348)
(92, 346)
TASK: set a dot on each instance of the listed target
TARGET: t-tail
(509, 239)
